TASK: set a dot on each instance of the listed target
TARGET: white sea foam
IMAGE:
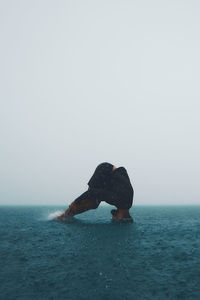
(55, 214)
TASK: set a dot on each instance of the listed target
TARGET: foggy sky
(83, 82)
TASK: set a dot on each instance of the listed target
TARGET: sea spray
(54, 215)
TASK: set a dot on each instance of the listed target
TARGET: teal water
(157, 257)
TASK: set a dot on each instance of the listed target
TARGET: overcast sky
(83, 82)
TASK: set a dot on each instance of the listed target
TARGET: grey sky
(84, 82)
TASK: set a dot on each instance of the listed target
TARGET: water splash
(54, 215)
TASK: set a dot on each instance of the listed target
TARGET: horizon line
(101, 205)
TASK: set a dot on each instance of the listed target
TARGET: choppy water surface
(157, 257)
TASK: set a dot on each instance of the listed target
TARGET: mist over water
(84, 82)
(157, 257)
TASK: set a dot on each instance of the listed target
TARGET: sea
(90, 257)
